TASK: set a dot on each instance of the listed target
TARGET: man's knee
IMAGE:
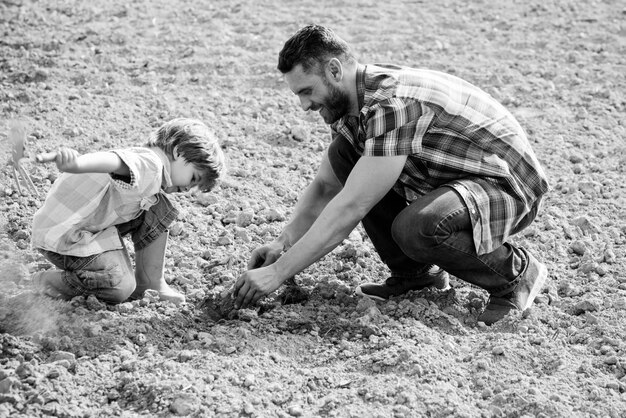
(415, 231)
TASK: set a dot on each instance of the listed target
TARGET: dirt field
(96, 75)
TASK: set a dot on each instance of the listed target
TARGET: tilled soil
(99, 75)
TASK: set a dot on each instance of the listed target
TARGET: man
(438, 172)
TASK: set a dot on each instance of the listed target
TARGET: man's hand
(265, 255)
(255, 284)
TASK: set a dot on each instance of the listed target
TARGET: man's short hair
(312, 47)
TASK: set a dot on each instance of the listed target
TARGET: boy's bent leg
(150, 234)
(108, 276)
(149, 269)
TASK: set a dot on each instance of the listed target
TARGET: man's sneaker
(522, 297)
(434, 276)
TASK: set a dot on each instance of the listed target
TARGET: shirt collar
(167, 177)
(360, 94)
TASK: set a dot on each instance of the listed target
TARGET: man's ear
(175, 153)
(335, 69)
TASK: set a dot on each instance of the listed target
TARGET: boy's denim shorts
(148, 226)
(108, 275)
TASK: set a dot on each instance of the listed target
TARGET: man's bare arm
(369, 181)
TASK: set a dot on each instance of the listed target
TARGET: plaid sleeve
(395, 127)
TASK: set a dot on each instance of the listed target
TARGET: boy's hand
(66, 160)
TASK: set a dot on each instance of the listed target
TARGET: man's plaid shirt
(454, 134)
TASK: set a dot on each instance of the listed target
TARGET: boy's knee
(121, 285)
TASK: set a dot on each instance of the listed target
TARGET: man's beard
(336, 104)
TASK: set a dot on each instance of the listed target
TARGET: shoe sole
(442, 283)
(537, 286)
(359, 292)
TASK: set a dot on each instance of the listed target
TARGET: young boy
(103, 196)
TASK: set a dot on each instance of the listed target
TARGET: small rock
(7, 384)
(176, 229)
(62, 355)
(497, 350)
(587, 305)
(94, 304)
(249, 380)
(588, 267)
(206, 199)
(224, 240)
(24, 370)
(295, 410)
(578, 247)
(66, 364)
(245, 217)
(183, 405)
(186, 355)
(152, 295)
(609, 256)
(300, 134)
(274, 215)
(124, 307)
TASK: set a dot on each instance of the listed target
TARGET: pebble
(206, 199)
(245, 217)
(7, 384)
(588, 267)
(176, 229)
(182, 405)
(94, 304)
(295, 410)
(124, 307)
(482, 364)
(300, 134)
(186, 355)
(224, 240)
(152, 295)
(497, 350)
(274, 215)
(62, 355)
(587, 305)
(609, 256)
(578, 247)
(249, 380)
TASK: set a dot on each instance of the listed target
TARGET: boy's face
(184, 175)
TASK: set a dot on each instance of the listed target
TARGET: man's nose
(305, 103)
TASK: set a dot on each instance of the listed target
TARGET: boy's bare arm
(70, 161)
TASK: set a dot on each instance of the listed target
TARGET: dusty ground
(96, 75)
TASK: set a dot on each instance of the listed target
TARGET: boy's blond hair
(196, 143)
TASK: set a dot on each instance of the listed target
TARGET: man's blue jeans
(433, 229)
